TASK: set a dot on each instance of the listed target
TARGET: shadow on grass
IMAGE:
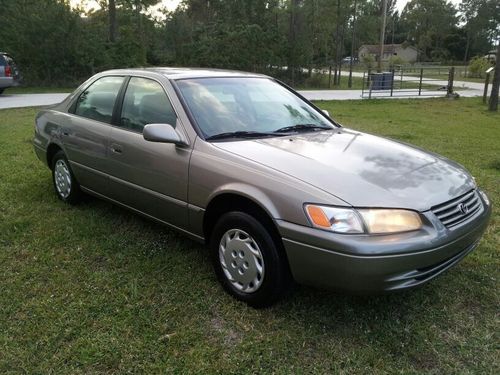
(337, 310)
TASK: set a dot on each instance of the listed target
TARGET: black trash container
(381, 81)
(388, 80)
(377, 81)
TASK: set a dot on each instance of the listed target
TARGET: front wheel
(65, 184)
(248, 262)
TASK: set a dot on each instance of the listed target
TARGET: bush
(317, 80)
(368, 61)
(478, 66)
(396, 60)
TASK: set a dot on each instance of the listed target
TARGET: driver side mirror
(163, 133)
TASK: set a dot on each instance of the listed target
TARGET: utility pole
(382, 35)
(349, 83)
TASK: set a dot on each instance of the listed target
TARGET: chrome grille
(458, 210)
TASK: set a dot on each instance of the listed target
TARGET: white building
(408, 54)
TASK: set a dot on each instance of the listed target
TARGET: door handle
(117, 149)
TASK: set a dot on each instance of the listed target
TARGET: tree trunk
(353, 38)
(466, 54)
(382, 35)
(112, 20)
(337, 46)
(493, 105)
(292, 40)
(339, 62)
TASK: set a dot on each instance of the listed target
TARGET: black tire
(73, 194)
(1, 91)
(276, 279)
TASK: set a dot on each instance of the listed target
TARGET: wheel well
(51, 151)
(233, 202)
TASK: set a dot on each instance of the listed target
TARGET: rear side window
(144, 103)
(3, 62)
(98, 100)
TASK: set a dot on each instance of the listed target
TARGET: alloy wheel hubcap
(62, 178)
(241, 260)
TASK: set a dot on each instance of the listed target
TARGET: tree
(57, 44)
(112, 20)
(427, 22)
(480, 20)
(493, 103)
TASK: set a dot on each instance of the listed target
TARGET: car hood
(361, 169)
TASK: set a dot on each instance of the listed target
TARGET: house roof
(388, 48)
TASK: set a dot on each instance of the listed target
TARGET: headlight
(484, 196)
(341, 220)
(377, 221)
(390, 221)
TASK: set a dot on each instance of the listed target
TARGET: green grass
(96, 289)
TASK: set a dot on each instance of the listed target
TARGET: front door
(147, 176)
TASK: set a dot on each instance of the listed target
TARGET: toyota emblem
(463, 209)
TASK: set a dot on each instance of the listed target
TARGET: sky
(172, 4)
(401, 3)
(89, 4)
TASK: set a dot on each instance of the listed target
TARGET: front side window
(260, 105)
(145, 102)
(98, 100)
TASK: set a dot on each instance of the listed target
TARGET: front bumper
(370, 264)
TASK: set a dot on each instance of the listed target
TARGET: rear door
(85, 134)
(147, 176)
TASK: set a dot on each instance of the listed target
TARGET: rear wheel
(65, 184)
(248, 261)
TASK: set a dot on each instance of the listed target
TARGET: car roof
(183, 73)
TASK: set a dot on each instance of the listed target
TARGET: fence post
(451, 77)
(330, 77)
(369, 81)
(420, 83)
(363, 86)
(486, 84)
(392, 81)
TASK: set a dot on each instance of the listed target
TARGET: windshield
(257, 105)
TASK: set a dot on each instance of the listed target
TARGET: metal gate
(408, 81)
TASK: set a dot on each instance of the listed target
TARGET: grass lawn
(96, 289)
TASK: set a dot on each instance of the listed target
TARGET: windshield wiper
(302, 127)
(241, 134)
